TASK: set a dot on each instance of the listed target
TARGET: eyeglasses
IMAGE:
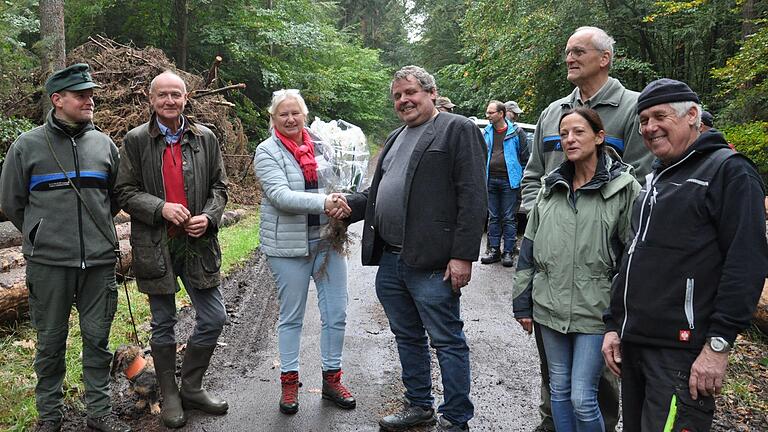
(490, 113)
(282, 92)
(577, 52)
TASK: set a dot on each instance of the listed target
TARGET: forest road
(245, 369)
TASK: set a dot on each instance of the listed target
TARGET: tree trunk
(52, 43)
(182, 33)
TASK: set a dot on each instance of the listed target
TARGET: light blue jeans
(575, 364)
(292, 279)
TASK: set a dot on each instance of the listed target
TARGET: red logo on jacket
(684, 336)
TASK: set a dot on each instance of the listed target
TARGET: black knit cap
(707, 119)
(663, 91)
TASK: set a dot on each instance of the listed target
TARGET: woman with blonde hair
(293, 214)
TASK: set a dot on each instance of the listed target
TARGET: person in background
(173, 184)
(707, 121)
(57, 188)
(576, 235)
(504, 172)
(292, 220)
(513, 113)
(693, 273)
(443, 104)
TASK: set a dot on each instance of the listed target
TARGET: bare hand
(196, 225)
(459, 272)
(336, 206)
(175, 213)
(612, 352)
(526, 324)
(707, 373)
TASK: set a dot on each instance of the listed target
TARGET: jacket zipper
(689, 287)
(650, 181)
(79, 204)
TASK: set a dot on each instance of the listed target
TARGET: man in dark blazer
(424, 216)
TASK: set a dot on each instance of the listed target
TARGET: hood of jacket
(607, 176)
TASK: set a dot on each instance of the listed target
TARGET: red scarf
(304, 154)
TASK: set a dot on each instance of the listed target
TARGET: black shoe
(491, 256)
(408, 417)
(48, 426)
(508, 259)
(108, 423)
(445, 425)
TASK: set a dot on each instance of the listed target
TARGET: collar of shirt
(171, 138)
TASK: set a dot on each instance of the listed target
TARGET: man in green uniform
(57, 189)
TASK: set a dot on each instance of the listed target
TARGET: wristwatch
(718, 344)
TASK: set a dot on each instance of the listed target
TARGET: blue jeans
(575, 364)
(292, 278)
(419, 303)
(502, 205)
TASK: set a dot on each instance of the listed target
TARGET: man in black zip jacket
(693, 272)
(57, 189)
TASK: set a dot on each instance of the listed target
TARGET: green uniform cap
(74, 78)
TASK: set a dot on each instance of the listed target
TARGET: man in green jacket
(172, 183)
(588, 58)
(57, 189)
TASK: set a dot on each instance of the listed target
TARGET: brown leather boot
(289, 399)
(335, 391)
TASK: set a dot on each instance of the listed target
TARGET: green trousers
(52, 292)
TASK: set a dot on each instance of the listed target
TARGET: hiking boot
(48, 426)
(444, 425)
(543, 428)
(335, 391)
(409, 416)
(172, 412)
(108, 423)
(197, 358)
(492, 255)
(508, 259)
(289, 399)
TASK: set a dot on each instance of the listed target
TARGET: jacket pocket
(211, 256)
(688, 305)
(32, 236)
(148, 262)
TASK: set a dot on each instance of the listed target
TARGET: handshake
(336, 206)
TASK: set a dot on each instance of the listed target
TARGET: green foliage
(293, 44)
(752, 140)
(744, 79)
(17, 21)
(10, 129)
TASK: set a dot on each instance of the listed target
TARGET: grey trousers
(210, 313)
(52, 292)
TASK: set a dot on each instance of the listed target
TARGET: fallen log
(14, 295)
(11, 258)
(761, 314)
(9, 235)
(123, 267)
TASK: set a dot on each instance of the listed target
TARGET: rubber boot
(193, 395)
(172, 412)
(289, 396)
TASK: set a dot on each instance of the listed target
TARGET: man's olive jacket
(141, 194)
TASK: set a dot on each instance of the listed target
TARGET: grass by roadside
(17, 342)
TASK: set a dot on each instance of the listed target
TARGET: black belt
(392, 249)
